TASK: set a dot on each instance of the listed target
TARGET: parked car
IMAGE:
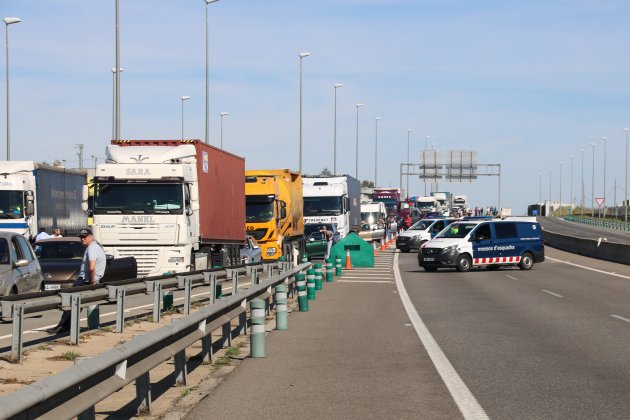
(316, 244)
(60, 260)
(20, 271)
(420, 232)
(250, 252)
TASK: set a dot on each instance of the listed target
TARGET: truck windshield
(425, 205)
(391, 204)
(322, 206)
(11, 204)
(154, 198)
(258, 209)
(371, 218)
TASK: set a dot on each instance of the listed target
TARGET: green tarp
(361, 252)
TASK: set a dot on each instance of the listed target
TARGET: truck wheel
(430, 269)
(527, 261)
(464, 263)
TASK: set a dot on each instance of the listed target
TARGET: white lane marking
(465, 400)
(589, 268)
(510, 277)
(362, 281)
(621, 318)
(552, 293)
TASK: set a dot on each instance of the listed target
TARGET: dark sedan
(60, 259)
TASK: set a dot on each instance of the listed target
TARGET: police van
(489, 244)
(420, 232)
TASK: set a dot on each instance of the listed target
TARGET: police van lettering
(496, 248)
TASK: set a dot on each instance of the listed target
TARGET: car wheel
(527, 261)
(430, 269)
(464, 263)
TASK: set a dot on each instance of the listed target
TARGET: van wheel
(430, 269)
(527, 261)
(464, 263)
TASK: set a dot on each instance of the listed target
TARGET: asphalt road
(578, 230)
(547, 343)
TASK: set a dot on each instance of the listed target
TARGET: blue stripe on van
(13, 225)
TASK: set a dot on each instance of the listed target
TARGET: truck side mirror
(85, 192)
(29, 209)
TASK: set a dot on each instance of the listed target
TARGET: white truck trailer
(333, 200)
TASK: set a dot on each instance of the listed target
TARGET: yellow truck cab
(274, 213)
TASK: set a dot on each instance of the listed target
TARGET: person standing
(91, 272)
(328, 235)
(42, 235)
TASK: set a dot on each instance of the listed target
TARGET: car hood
(411, 233)
(442, 242)
(60, 270)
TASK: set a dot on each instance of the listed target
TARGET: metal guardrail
(75, 298)
(602, 223)
(75, 391)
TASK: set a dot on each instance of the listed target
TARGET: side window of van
(483, 233)
(505, 230)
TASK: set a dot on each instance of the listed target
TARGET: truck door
(481, 239)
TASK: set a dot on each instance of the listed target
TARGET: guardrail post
(93, 317)
(280, 299)
(157, 301)
(242, 319)
(206, 343)
(257, 335)
(233, 274)
(318, 277)
(329, 270)
(120, 309)
(310, 284)
(75, 318)
(300, 281)
(90, 413)
(211, 280)
(17, 314)
(143, 393)
(187, 294)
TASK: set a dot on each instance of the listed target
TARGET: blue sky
(525, 84)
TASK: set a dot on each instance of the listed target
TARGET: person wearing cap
(91, 271)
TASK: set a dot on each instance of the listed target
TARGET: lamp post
(356, 164)
(582, 185)
(550, 206)
(571, 186)
(604, 140)
(207, 74)
(302, 56)
(117, 131)
(540, 187)
(183, 98)
(625, 200)
(376, 150)
(560, 192)
(222, 114)
(408, 134)
(114, 100)
(593, 183)
(8, 21)
(435, 162)
(426, 139)
(336, 86)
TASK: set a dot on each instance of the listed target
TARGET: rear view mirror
(21, 263)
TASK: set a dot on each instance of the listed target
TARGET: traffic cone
(382, 246)
(348, 262)
(375, 250)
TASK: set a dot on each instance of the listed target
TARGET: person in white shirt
(56, 233)
(42, 235)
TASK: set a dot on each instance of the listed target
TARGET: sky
(525, 84)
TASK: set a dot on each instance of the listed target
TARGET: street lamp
(114, 100)
(582, 185)
(560, 193)
(593, 183)
(408, 133)
(376, 149)
(540, 187)
(571, 187)
(302, 56)
(356, 166)
(8, 21)
(117, 131)
(426, 139)
(336, 86)
(207, 83)
(550, 206)
(183, 98)
(625, 201)
(604, 139)
(222, 114)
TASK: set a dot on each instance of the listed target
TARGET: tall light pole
(222, 114)
(117, 134)
(336, 86)
(604, 140)
(582, 185)
(540, 187)
(625, 200)
(114, 100)
(183, 98)
(560, 193)
(207, 75)
(376, 150)
(593, 184)
(571, 186)
(8, 21)
(426, 139)
(408, 135)
(356, 164)
(302, 56)
(549, 212)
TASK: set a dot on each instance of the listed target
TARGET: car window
(14, 250)
(25, 249)
(505, 230)
(483, 233)
(4, 251)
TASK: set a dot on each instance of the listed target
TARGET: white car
(19, 269)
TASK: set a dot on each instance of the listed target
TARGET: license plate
(52, 286)
(429, 259)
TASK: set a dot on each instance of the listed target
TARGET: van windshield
(456, 230)
(422, 225)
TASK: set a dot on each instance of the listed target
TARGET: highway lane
(547, 343)
(578, 230)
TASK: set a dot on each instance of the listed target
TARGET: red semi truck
(390, 197)
(171, 204)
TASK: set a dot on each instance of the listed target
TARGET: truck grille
(258, 234)
(146, 258)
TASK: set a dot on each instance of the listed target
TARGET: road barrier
(602, 223)
(594, 248)
(77, 389)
